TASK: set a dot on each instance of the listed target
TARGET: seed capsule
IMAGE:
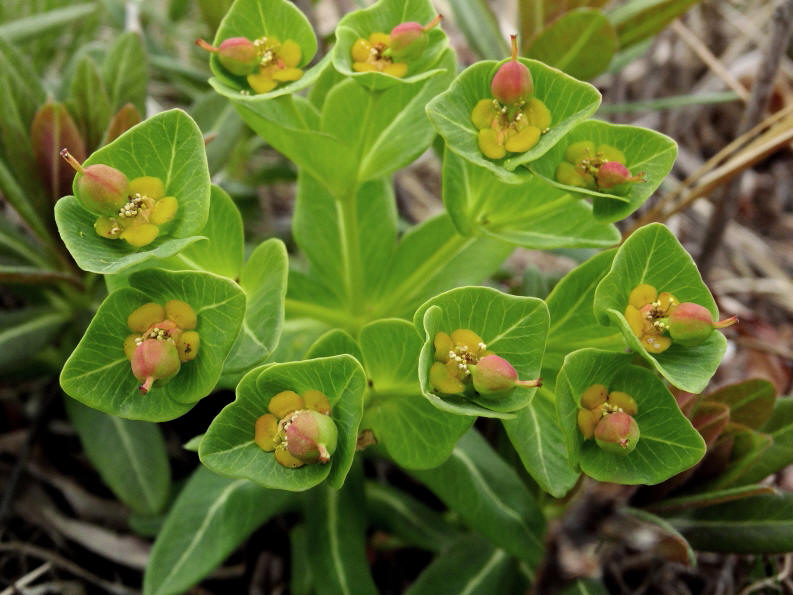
(154, 360)
(617, 433)
(512, 84)
(101, 189)
(691, 324)
(238, 55)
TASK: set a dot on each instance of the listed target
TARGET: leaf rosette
(512, 327)
(228, 447)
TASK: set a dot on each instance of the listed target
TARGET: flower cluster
(387, 52)
(596, 167)
(462, 360)
(512, 120)
(608, 418)
(659, 319)
(164, 337)
(129, 210)
(298, 429)
(265, 62)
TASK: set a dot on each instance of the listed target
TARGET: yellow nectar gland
(647, 313)
(277, 64)
(453, 354)
(370, 55)
(509, 129)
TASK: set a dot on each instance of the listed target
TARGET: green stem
(330, 316)
(421, 276)
(347, 210)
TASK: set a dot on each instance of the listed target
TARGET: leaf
(250, 19)
(573, 323)
(53, 129)
(125, 73)
(580, 42)
(129, 455)
(219, 121)
(228, 445)
(407, 518)
(382, 18)
(335, 342)
(22, 81)
(512, 327)
(211, 517)
(653, 255)
(746, 447)
(480, 27)
(489, 496)
(320, 228)
(668, 444)
(336, 538)
(646, 151)
(586, 587)
(122, 120)
(758, 525)
(751, 402)
(149, 149)
(704, 499)
(300, 583)
(98, 374)
(668, 542)
(89, 102)
(526, 214)
(780, 454)
(263, 279)
(472, 566)
(430, 258)
(27, 331)
(537, 438)
(39, 24)
(568, 100)
(412, 431)
(636, 21)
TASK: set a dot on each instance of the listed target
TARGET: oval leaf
(228, 445)
(653, 255)
(646, 151)
(668, 443)
(98, 374)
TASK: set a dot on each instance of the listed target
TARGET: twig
(772, 581)
(27, 579)
(727, 207)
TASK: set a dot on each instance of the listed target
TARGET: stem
(72, 161)
(726, 322)
(347, 210)
(433, 22)
(513, 39)
(205, 46)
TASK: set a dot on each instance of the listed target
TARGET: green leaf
(280, 19)
(512, 327)
(37, 25)
(20, 200)
(168, 146)
(228, 445)
(430, 258)
(27, 331)
(320, 230)
(263, 279)
(98, 374)
(704, 499)
(471, 566)
(573, 323)
(757, 525)
(211, 517)
(538, 440)
(586, 587)
(780, 454)
(640, 19)
(480, 27)
(89, 102)
(526, 213)
(300, 583)
(489, 496)
(335, 342)
(568, 100)
(336, 538)
(414, 433)
(746, 448)
(580, 42)
(668, 443)
(218, 120)
(646, 151)
(653, 255)
(382, 18)
(22, 81)
(669, 543)
(751, 402)
(129, 455)
(410, 520)
(125, 73)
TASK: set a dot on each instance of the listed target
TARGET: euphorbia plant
(390, 348)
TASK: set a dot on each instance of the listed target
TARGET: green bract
(653, 255)
(98, 373)
(645, 151)
(168, 146)
(569, 101)
(668, 443)
(512, 327)
(228, 447)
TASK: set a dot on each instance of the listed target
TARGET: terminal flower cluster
(596, 167)
(608, 418)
